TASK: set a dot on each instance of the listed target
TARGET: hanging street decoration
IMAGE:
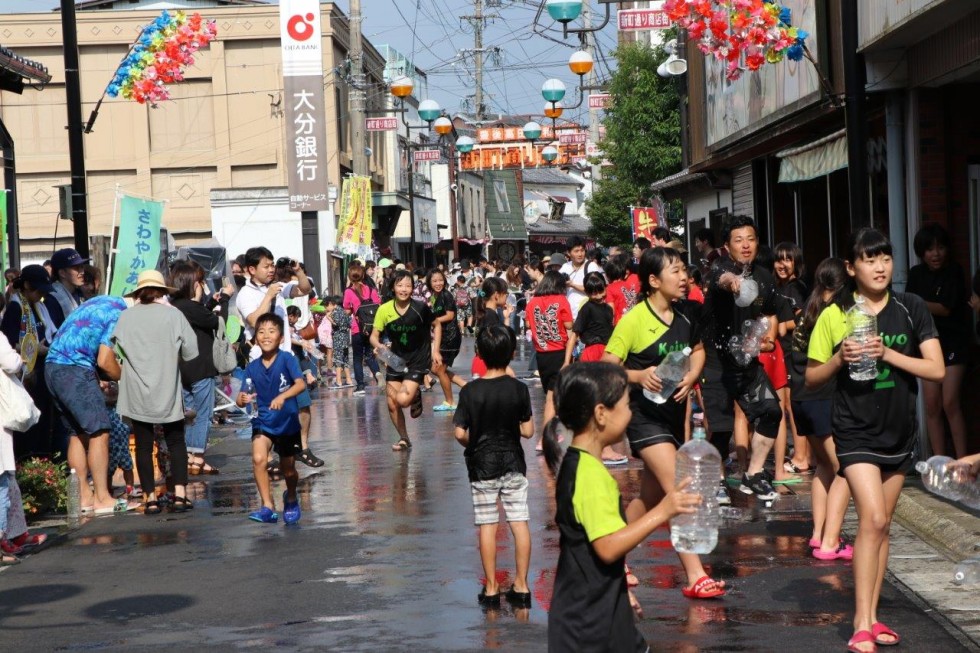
(744, 34)
(158, 58)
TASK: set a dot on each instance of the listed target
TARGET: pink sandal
(699, 591)
(878, 629)
(862, 637)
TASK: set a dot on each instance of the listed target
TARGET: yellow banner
(354, 231)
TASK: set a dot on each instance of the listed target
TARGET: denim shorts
(303, 399)
(78, 397)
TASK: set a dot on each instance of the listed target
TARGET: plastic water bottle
(698, 460)
(967, 572)
(249, 389)
(316, 354)
(74, 500)
(949, 481)
(748, 290)
(392, 361)
(747, 346)
(671, 371)
(862, 326)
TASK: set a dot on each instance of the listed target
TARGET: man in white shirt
(575, 269)
(262, 294)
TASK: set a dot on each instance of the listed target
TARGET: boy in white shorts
(492, 415)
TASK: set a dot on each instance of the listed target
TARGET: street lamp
(553, 90)
(464, 144)
(580, 63)
(564, 11)
(442, 125)
(532, 131)
(549, 153)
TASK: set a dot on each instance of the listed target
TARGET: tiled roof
(549, 176)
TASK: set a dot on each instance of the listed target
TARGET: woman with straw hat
(149, 338)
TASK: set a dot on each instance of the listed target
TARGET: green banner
(4, 256)
(138, 246)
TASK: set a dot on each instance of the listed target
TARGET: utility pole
(357, 93)
(76, 149)
(588, 44)
(479, 20)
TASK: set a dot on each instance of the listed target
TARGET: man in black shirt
(724, 381)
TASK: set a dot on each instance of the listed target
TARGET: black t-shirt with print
(492, 410)
(594, 323)
(722, 318)
(945, 286)
(876, 415)
(442, 303)
(409, 332)
(794, 295)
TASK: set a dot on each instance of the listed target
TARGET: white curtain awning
(816, 159)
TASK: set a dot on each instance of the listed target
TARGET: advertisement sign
(302, 69)
(575, 138)
(645, 220)
(598, 100)
(138, 248)
(427, 155)
(354, 230)
(642, 19)
(381, 124)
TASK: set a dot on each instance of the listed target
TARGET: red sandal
(878, 629)
(862, 637)
(698, 591)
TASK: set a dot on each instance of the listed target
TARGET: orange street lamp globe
(580, 63)
(442, 125)
(402, 86)
(553, 111)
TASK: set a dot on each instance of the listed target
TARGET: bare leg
(305, 417)
(488, 555)
(288, 465)
(261, 446)
(761, 446)
(78, 460)
(932, 396)
(98, 464)
(447, 387)
(952, 385)
(522, 554)
(823, 478)
(741, 435)
(549, 414)
(395, 410)
(837, 500)
(779, 451)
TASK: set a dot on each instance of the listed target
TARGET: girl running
(662, 322)
(874, 422)
(812, 409)
(407, 323)
(492, 309)
(443, 304)
(549, 316)
(788, 270)
(594, 323)
(590, 606)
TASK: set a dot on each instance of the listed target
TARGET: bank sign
(306, 135)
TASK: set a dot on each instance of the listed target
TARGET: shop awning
(816, 159)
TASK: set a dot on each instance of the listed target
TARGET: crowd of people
(596, 327)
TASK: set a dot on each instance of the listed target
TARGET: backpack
(462, 294)
(365, 313)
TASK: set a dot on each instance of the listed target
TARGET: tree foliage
(642, 142)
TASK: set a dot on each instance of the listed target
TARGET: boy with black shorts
(493, 414)
(278, 380)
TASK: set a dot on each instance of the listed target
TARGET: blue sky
(431, 33)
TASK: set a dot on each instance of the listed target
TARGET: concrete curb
(950, 527)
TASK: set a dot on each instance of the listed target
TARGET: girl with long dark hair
(443, 303)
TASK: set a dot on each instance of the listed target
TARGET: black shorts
(448, 356)
(813, 417)
(723, 385)
(644, 431)
(549, 365)
(851, 451)
(416, 376)
(956, 357)
(287, 446)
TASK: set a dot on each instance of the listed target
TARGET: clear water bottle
(949, 481)
(74, 500)
(249, 389)
(748, 290)
(746, 347)
(392, 361)
(698, 460)
(316, 354)
(671, 372)
(862, 326)
(967, 572)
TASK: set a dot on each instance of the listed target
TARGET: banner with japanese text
(354, 232)
(306, 134)
(138, 244)
(645, 220)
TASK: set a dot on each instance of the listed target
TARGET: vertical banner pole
(112, 241)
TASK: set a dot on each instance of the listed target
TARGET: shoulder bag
(17, 409)
(224, 356)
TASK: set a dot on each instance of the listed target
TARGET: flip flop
(788, 481)
(698, 591)
(878, 629)
(615, 461)
(861, 637)
(401, 445)
(121, 505)
(416, 406)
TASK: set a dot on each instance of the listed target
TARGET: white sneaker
(722, 496)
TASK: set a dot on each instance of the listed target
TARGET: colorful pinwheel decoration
(165, 47)
(745, 34)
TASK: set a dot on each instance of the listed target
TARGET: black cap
(38, 277)
(67, 258)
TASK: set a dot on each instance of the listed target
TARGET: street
(385, 558)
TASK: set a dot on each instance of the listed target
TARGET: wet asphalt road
(385, 559)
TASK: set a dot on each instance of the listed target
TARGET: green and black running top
(878, 415)
(590, 608)
(442, 303)
(408, 332)
(642, 340)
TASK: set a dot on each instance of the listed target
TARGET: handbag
(309, 331)
(17, 409)
(224, 356)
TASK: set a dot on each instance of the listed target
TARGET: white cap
(687, 351)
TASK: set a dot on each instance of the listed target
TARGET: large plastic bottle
(949, 481)
(748, 290)
(249, 389)
(747, 346)
(671, 371)
(967, 572)
(700, 461)
(862, 326)
(392, 361)
(74, 500)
